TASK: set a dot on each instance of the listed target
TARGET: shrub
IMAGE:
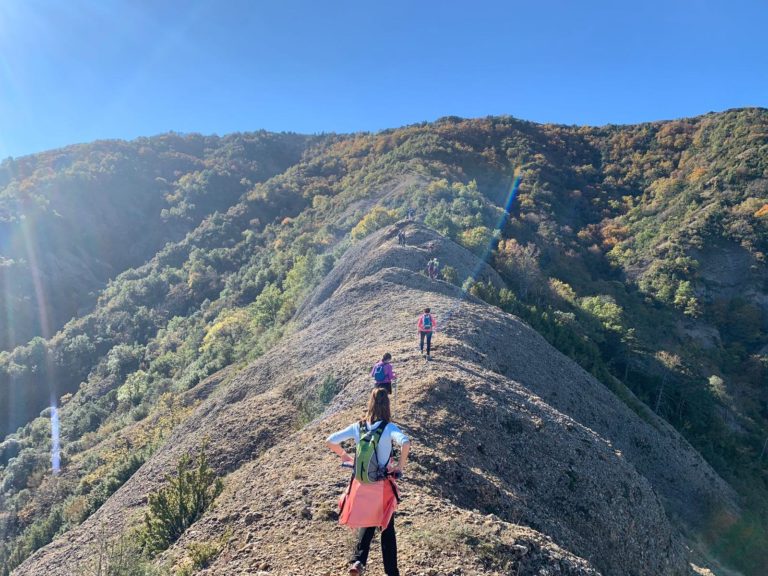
(476, 239)
(176, 506)
(132, 392)
(374, 220)
(450, 275)
(121, 556)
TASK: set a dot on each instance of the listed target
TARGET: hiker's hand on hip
(347, 458)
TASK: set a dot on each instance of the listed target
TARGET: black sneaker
(356, 569)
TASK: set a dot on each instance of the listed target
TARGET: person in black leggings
(374, 512)
(426, 325)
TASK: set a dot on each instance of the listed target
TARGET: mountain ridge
(605, 248)
(248, 419)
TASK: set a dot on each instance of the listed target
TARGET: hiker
(426, 326)
(383, 374)
(372, 496)
(401, 238)
(431, 269)
(410, 214)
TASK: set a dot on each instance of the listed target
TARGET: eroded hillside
(636, 251)
(521, 460)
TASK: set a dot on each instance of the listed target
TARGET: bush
(10, 448)
(450, 275)
(476, 239)
(132, 392)
(176, 506)
(122, 556)
(374, 220)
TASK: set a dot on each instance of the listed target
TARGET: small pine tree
(176, 506)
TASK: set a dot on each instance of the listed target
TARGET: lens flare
(37, 282)
(55, 440)
(513, 190)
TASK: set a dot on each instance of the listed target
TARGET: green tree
(267, 306)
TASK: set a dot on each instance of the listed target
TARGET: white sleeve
(349, 433)
(397, 435)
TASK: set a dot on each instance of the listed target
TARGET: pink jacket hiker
(421, 323)
(366, 505)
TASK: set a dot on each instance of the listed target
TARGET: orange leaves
(613, 234)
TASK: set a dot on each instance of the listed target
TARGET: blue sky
(79, 70)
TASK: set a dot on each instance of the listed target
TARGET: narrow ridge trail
(522, 463)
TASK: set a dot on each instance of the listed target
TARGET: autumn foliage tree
(519, 264)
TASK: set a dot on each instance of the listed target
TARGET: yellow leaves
(437, 186)
(697, 174)
(229, 326)
(756, 207)
(562, 290)
(476, 239)
(374, 220)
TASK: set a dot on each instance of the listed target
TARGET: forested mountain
(71, 219)
(637, 251)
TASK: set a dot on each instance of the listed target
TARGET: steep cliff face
(521, 461)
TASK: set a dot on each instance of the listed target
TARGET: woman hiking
(426, 326)
(371, 498)
(383, 374)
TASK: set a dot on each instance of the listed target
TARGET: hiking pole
(395, 386)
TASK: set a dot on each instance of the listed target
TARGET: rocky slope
(521, 462)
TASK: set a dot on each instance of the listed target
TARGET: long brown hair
(378, 406)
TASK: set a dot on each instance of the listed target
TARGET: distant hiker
(432, 266)
(410, 213)
(401, 238)
(383, 374)
(426, 325)
(371, 497)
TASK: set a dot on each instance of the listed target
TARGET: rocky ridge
(522, 462)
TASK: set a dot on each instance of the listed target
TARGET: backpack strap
(378, 433)
(394, 489)
(388, 478)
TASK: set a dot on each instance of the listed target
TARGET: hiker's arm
(340, 451)
(404, 449)
(405, 446)
(334, 442)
